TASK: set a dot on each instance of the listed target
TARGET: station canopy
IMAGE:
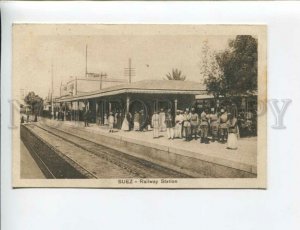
(143, 87)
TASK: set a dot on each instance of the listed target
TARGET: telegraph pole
(101, 78)
(76, 85)
(86, 54)
(52, 109)
(60, 88)
(129, 71)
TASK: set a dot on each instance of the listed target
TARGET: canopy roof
(143, 87)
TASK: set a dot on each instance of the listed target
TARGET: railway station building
(147, 95)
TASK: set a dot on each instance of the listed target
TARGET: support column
(97, 113)
(102, 111)
(77, 110)
(65, 112)
(127, 104)
(72, 111)
(175, 107)
(109, 108)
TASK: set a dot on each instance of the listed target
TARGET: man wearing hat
(194, 123)
(142, 120)
(169, 125)
(162, 121)
(204, 127)
(187, 124)
(232, 132)
(214, 124)
(155, 124)
(178, 124)
(116, 116)
(86, 117)
(223, 125)
(111, 121)
(136, 121)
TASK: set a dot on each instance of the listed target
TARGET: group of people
(187, 124)
(27, 120)
(190, 125)
(126, 122)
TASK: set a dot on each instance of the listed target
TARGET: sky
(154, 51)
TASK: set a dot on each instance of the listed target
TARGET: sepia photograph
(139, 106)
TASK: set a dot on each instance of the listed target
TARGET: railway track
(40, 162)
(131, 166)
(52, 163)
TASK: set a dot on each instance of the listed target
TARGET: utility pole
(129, 66)
(52, 109)
(60, 88)
(86, 54)
(101, 78)
(129, 71)
(76, 85)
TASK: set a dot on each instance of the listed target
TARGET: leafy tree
(176, 75)
(215, 85)
(208, 61)
(210, 71)
(34, 101)
(238, 68)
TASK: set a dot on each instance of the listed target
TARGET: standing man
(130, 119)
(169, 125)
(194, 124)
(214, 124)
(142, 120)
(204, 127)
(178, 124)
(116, 119)
(136, 121)
(187, 124)
(155, 124)
(27, 118)
(232, 132)
(223, 126)
(22, 119)
(85, 118)
(162, 120)
(111, 121)
(119, 122)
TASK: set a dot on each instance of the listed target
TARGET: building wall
(84, 86)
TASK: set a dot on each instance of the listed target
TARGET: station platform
(29, 168)
(192, 158)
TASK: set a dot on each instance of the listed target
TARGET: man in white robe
(178, 124)
(162, 121)
(155, 124)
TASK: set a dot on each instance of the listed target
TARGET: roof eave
(123, 91)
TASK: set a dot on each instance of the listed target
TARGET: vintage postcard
(139, 106)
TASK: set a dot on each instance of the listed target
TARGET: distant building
(92, 83)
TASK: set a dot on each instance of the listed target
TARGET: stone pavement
(29, 168)
(246, 154)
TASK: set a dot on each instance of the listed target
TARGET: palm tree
(176, 75)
